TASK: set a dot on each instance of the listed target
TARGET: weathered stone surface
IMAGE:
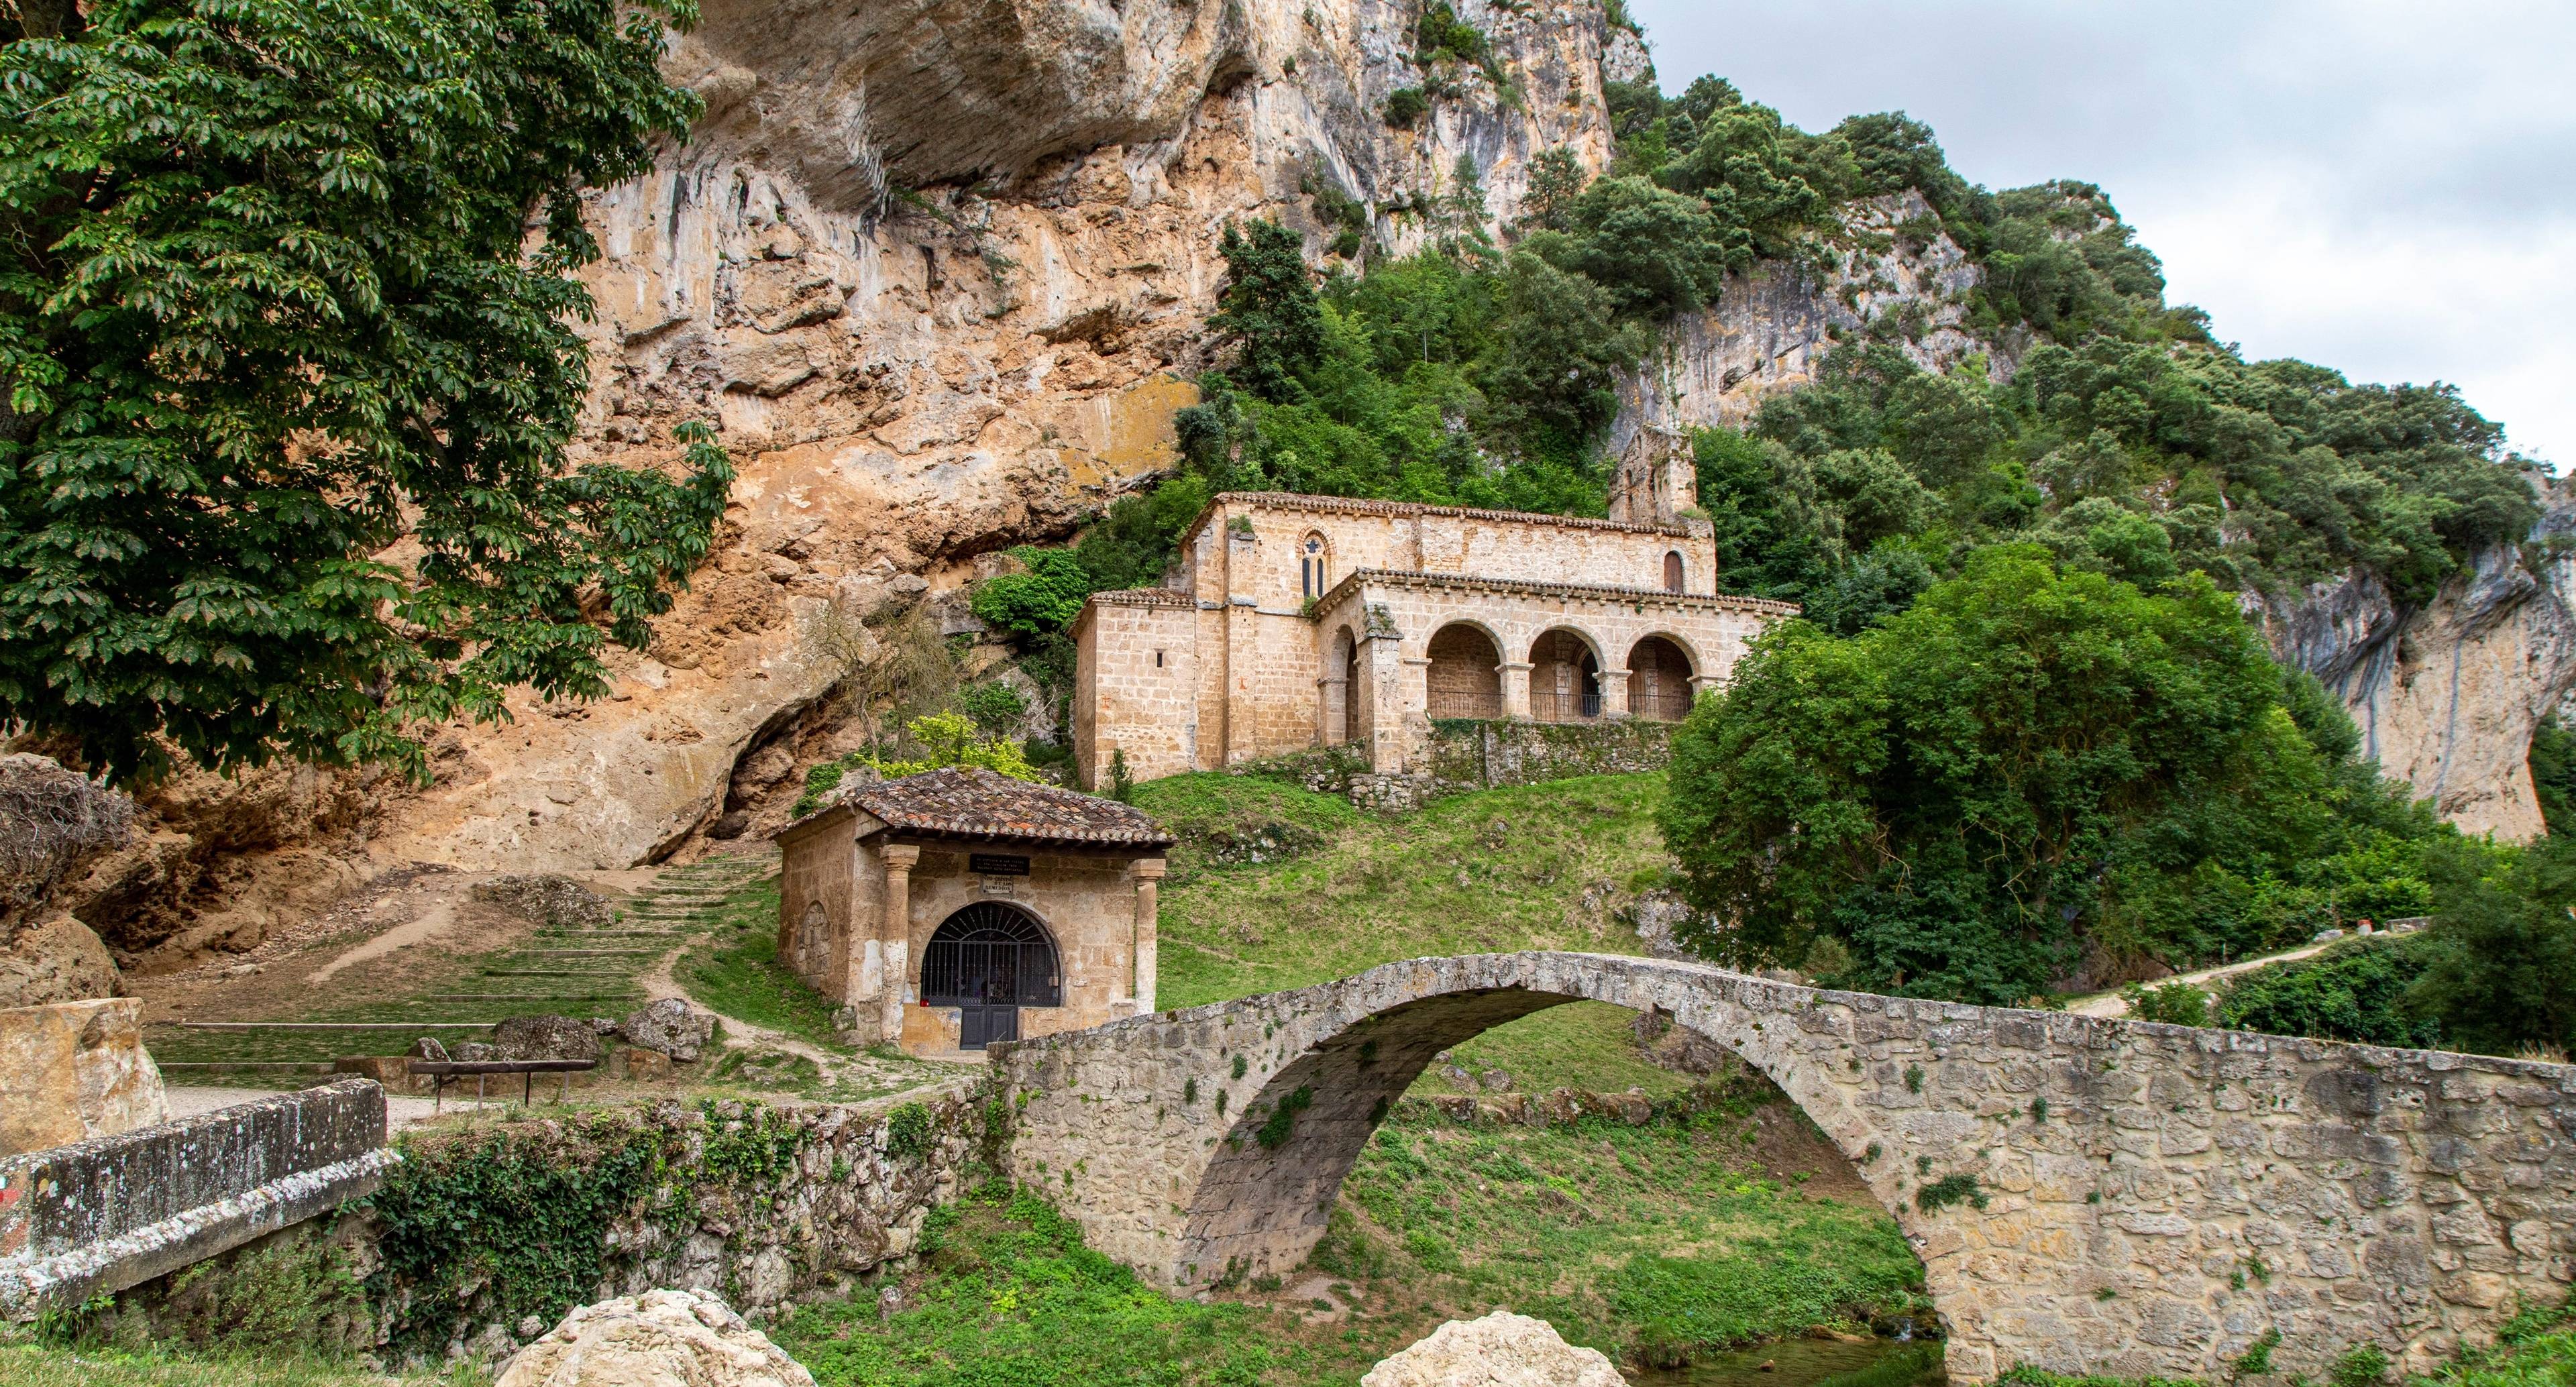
(1500, 1350)
(668, 1026)
(2156, 1162)
(679, 1338)
(74, 1070)
(550, 1037)
(556, 901)
(114, 1211)
(53, 822)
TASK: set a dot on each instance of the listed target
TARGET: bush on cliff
(271, 302)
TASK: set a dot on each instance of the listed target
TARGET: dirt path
(2112, 1004)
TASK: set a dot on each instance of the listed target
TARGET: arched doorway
(1565, 679)
(1465, 679)
(988, 961)
(1341, 682)
(1659, 681)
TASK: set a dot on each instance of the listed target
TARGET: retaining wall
(101, 1215)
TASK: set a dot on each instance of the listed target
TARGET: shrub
(2174, 1003)
(1406, 106)
(2354, 991)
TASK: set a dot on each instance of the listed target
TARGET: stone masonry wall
(2154, 1198)
(851, 1200)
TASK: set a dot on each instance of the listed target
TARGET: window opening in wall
(1158, 659)
(1310, 564)
(1673, 571)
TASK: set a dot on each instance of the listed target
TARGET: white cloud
(2378, 187)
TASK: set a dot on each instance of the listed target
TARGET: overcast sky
(2387, 189)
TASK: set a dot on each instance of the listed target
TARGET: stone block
(70, 1071)
(393, 1071)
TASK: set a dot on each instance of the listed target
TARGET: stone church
(1293, 621)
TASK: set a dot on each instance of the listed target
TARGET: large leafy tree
(288, 339)
(1979, 796)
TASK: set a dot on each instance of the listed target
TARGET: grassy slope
(1484, 873)
(31, 1366)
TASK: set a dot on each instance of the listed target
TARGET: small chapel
(1294, 621)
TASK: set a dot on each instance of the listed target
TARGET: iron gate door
(989, 960)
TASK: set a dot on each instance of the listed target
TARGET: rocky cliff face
(2446, 697)
(939, 269)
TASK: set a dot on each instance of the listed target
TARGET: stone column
(1143, 953)
(1516, 676)
(1614, 693)
(896, 930)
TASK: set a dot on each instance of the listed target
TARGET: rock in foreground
(1500, 1350)
(669, 1026)
(657, 1339)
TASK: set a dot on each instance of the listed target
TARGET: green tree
(2354, 991)
(1976, 793)
(268, 306)
(1267, 312)
(2500, 973)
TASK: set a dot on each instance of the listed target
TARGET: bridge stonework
(2179, 1193)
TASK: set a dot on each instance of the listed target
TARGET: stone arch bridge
(2156, 1198)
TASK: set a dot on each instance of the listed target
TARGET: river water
(1804, 1363)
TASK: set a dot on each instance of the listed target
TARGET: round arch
(1660, 667)
(988, 959)
(1565, 676)
(1465, 675)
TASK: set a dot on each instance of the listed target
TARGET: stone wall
(830, 1193)
(114, 1211)
(2087, 1195)
(1479, 755)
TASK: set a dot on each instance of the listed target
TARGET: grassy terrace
(535, 971)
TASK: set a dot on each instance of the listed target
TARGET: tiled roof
(980, 804)
(1354, 505)
(1522, 587)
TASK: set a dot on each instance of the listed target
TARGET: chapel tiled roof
(978, 803)
(1358, 505)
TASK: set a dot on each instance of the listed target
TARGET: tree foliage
(2023, 779)
(2354, 991)
(270, 308)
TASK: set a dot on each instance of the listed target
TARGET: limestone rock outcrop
(70, 1071)
(657, 1339)
(669, 1027)
(53, 823)
(2446, 696)
(1500, 1350)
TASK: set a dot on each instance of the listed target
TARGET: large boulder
(657, 1339)
(670, 1027)
(1500, 1350)
(546, 1038)
(53, 823)
(70, 1071)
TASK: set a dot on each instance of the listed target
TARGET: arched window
(1311, 566)
(1673, 571)
(988, 961)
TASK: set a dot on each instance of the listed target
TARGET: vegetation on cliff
(2030, 776)
(270, 305)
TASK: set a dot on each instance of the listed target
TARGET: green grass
(32, 1366)
(735, 972)
(1530, 867)
(1013, 1297)
(1657, 1242)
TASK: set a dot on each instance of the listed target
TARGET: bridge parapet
(2217, 1184)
